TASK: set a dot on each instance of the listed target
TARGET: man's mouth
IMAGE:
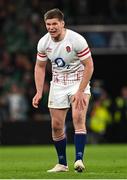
(52, 32)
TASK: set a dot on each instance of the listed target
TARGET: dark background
(113, 70)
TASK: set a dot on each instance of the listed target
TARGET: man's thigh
(58, 97)
(79, 117)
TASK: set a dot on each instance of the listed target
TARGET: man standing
(72, 68)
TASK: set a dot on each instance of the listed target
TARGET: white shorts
(60, 95)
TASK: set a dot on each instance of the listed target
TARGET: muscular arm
(39, 75)
(88, 63)
(79, 99)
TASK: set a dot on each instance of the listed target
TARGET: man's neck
(61, 36)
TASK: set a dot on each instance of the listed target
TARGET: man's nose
(51, 27)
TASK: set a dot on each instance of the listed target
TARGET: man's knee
(57, 132)
(56, 126)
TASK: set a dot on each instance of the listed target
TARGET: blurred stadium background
(104, 24)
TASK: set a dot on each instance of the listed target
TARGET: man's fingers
(35, 105)
(76, 104)
(84, 102)
(72, 99)
(80, 105)
(35, 102)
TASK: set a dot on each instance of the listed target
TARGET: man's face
(54, 27)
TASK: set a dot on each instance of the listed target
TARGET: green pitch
(32, 162)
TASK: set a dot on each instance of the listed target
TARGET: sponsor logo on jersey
(68, 49)
(60, 62)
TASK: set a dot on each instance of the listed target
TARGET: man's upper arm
(88, 62)
(42, 56)
(41, 64)
(82, 48)
(41, 52)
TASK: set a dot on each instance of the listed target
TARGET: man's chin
(54, 35)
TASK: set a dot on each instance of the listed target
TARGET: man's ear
(63, 23)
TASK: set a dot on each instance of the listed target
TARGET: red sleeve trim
(41, 55)
(83, 51)
(83, 54)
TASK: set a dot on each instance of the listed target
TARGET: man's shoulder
(44, 38)
(42, 43)
(77, 40)
(74, 35)
(72, 32)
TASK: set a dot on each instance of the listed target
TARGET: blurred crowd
(21, 25)
(107, 117)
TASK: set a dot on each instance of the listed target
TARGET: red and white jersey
(65, 56)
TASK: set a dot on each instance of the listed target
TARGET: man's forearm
(86, 76)
(39, 78)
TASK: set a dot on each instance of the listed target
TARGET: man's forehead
(53, 20)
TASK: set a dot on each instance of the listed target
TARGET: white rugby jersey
(65, 56)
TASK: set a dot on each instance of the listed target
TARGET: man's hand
(36, 100)
(80, 101)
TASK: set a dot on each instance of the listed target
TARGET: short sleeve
(41, 55)
(82, 48)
